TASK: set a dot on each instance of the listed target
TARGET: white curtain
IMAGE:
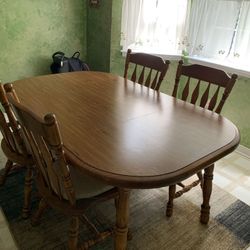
(153, 25)
(219, 29)
(209, 29)
(241, 49)
(131, 12)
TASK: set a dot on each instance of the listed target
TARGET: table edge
(142, 182)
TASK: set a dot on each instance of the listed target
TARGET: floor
(232, 174)
(7, 241)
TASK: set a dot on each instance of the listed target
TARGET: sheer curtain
(220, 30)
(131, 12)
(241, 48)
(153, 25)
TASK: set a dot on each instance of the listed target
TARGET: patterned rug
(229, 226)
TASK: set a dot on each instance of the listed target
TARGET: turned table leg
(206, 190)
(122, 214)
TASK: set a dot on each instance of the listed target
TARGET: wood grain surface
(126, 134)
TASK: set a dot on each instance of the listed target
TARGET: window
(219, 30)
(153, 25)
(216, 31)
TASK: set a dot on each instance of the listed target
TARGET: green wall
(31, 31)
(116, 59)
(99, 36)
(237, 109)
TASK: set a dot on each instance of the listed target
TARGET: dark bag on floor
(62, 64)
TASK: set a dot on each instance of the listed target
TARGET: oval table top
(126, 134)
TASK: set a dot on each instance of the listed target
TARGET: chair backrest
(152, 69)
(205, 75)
(9, 126)
(46, 146)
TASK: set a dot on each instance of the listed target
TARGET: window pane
(157, 25)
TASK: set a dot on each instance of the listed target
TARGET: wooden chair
(61, 186)
(14, 149)
(218, 86)
(153, 66)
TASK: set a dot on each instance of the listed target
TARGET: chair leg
(7, 169)
(99, 236)
(27, 192)
(170, 205)
(73, 233)
(206, 190)
(43, 205)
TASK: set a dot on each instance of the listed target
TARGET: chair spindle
(204, 98)
(186, 90)
(148, 81)
(196, 92)
(141, 78)
(154, 83)
(213, 100)
(133, 77)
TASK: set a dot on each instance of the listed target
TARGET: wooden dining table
(130, 136)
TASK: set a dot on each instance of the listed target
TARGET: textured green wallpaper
(99, 35)
(237, 107)
(116, 60)
(30, 31)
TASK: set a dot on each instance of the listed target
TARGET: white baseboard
(243, 151)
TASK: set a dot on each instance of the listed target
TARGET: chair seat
(86, 186)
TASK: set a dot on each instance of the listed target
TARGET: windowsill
(193, 59)
(166, 56)
(223, 66)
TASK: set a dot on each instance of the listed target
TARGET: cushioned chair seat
(86, 186)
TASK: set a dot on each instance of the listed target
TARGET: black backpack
(62, 64)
